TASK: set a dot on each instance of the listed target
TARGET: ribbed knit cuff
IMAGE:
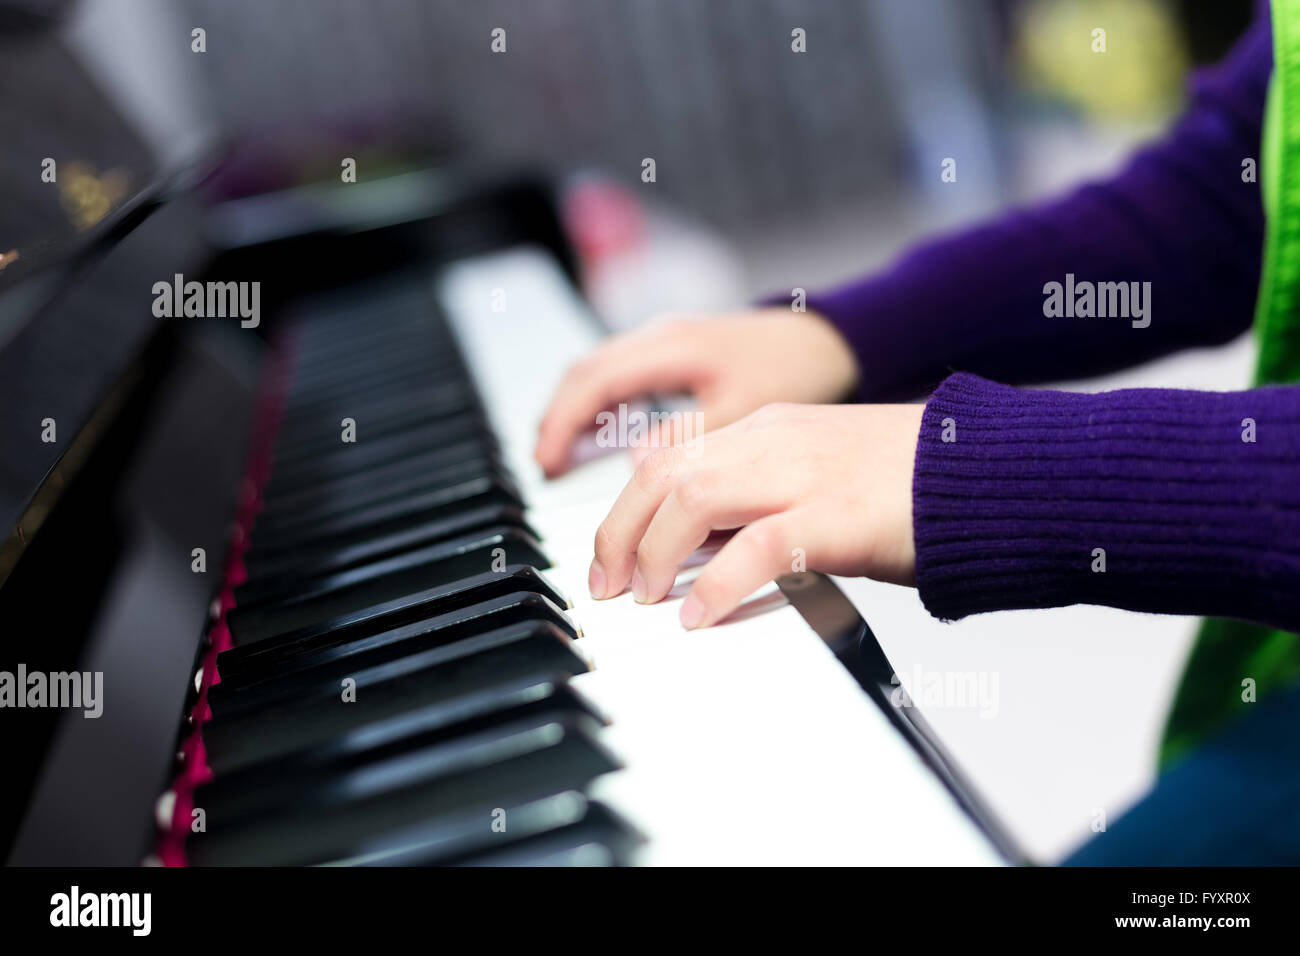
(1146, 499)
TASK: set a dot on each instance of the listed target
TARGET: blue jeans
(1233, 802)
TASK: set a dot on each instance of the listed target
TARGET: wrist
(840, 362)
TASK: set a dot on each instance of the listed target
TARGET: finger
(701, 502)
(666, 430)
(757, 554)
(621, 531)
(685, 428)
(623, 369)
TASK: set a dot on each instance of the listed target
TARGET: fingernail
(596, 580)
(638, 587)
(692, 612)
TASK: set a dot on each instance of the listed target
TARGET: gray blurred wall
(740, 127)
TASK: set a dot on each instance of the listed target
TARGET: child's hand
(815, 487)
(732, 365)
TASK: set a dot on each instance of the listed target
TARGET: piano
(340, 616)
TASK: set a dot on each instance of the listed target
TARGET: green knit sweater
(1234, 663)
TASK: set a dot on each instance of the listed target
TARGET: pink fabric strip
(170, 848)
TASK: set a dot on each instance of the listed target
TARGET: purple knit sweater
(1022, 496)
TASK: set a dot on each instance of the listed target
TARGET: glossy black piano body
(402, 562)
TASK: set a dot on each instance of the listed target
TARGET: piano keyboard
(415, 674)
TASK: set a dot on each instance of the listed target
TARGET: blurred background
(773, 169)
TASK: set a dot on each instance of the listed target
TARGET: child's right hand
(731, 364)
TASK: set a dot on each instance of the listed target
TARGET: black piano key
(443, 381)
(292, 780)
(428, 382)
(334, 330)
(367, 813)
(374, 520)
(320, 560)
(304, 664)
(460, 680)
(442, 599)
(291, 604)
(389, 578)
(374, 488)
(599, 838)
(428, 459)
(565, 829)
(372, 561)
(316, 371)
(323, 368)
(321, 435)
(366, 310)
(392, 479)
(352, 457)
(391, 345)
(456, 839)
(431, 388)
(289, 500)
(316, 435)
(323, 671)
(437, 396)
(399, 358)
(354, 357)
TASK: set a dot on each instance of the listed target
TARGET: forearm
(1146, 499)
(1179, 220)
